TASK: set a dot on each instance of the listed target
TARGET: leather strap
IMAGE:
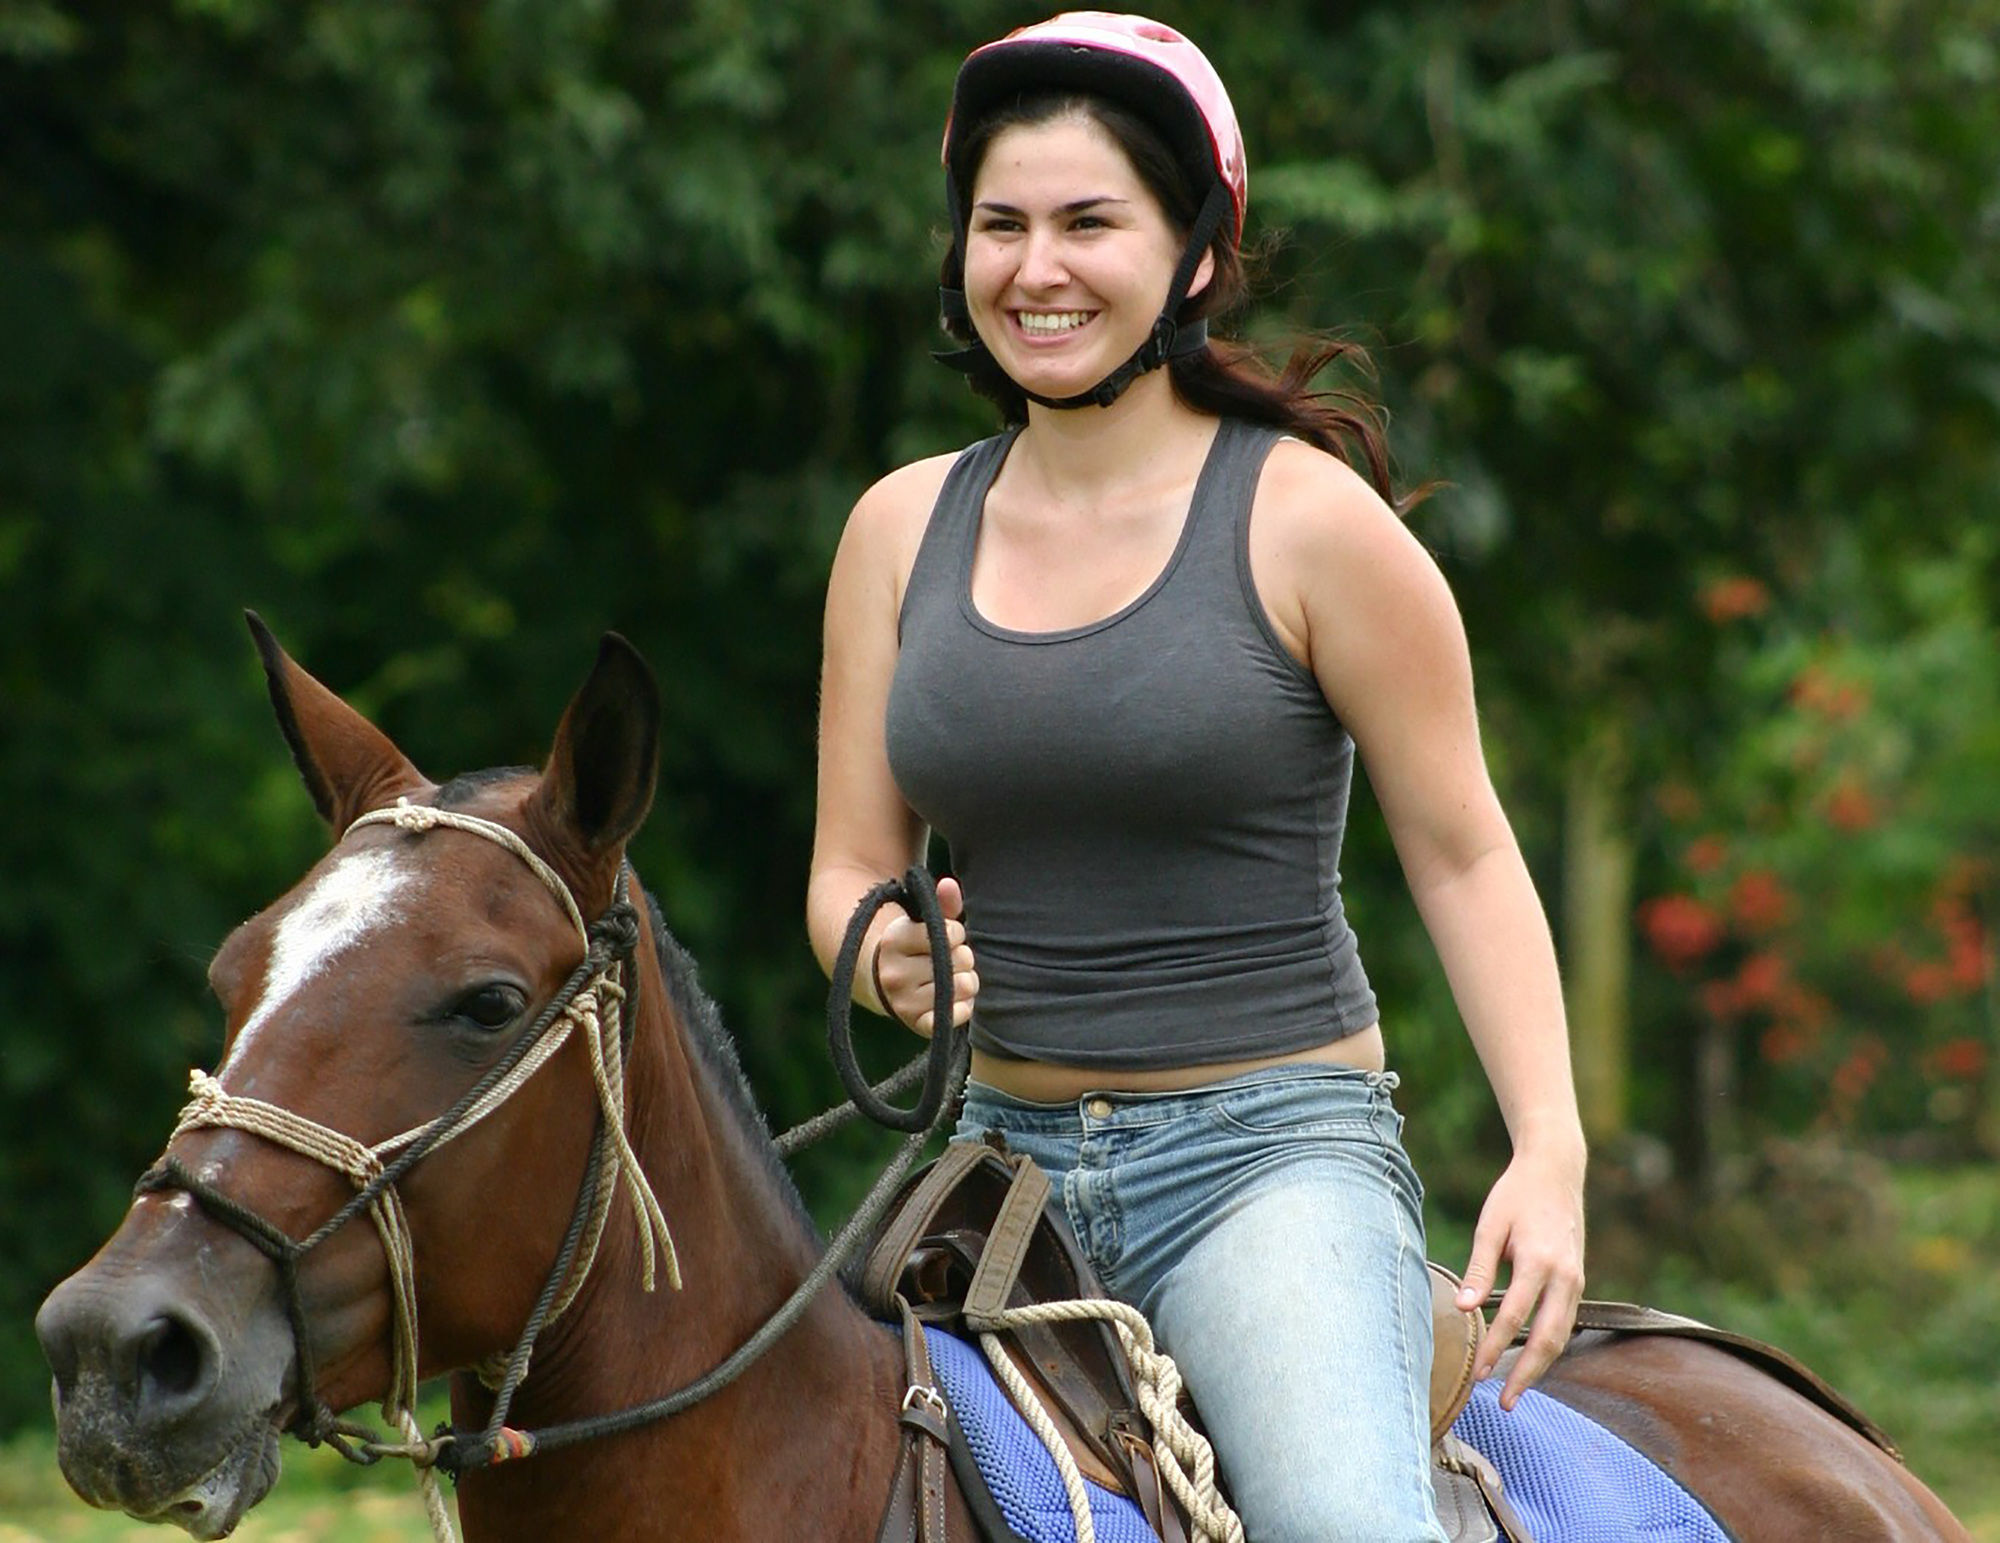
(913, 1218)
(1148, 1492)
(916, 1509)
(1454, 1457)
(1006, 1246)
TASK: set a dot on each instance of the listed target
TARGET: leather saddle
(976, 1232)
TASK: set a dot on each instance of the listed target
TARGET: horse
(588, 1228)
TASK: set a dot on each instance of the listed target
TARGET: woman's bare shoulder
(1321, 494)
(905, 496)
(884, 530)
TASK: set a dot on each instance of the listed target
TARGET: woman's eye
(489, 1007)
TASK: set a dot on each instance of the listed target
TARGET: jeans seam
(1419, 1401)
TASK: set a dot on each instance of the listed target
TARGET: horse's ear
(348, 764)
(598, 785)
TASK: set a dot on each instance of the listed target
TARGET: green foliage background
(449, 335)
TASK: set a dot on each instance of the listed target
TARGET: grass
(320, 1499)
(1906, 1323)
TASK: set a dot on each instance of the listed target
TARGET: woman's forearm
(1488, 927)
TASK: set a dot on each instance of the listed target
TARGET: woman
(1121, 657)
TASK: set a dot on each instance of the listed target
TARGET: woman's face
(1068, 255)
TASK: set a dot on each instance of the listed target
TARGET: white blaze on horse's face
(357, 895)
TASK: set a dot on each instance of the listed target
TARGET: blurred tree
(1829, 893)
(1677, 291)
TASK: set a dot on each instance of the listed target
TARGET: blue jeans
(1271, 1229)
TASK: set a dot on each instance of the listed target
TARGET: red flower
(1965, 941)
(1816, 691)
(1856, 1074)
(1760, 900)
(1928, 983)
(1849, 807)
(1957, 1060)
(1680, 929)
(1706, 854)
(1762, 981)
(1731, 599)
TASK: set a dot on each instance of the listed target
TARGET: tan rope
(597, 1009)
(213, 1108)
(418, 818)
(1187, 1461)
(1029, 1403)
(607, 1069)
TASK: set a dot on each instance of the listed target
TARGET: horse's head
(428, 966)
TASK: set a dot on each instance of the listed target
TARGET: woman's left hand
(1532, 1220)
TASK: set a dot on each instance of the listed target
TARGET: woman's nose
(1042, 265)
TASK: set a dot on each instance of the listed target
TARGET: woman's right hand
(902, 965)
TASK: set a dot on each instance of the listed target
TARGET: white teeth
(1051, 321)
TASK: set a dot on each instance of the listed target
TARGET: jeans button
(1098, 1108)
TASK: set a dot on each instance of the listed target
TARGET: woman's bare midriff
(1045, 1082)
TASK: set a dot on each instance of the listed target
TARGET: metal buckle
(929, 1397)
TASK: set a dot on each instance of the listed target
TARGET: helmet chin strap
(1167, 340)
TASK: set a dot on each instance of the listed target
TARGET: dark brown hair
(1228, 379)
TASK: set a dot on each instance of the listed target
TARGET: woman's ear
(1204, 273)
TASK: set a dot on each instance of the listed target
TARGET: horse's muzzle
(154, 1416)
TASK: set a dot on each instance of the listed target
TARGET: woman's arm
(1369, 611)
(863, 831)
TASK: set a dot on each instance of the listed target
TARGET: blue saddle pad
(1017, 1466)
(1573, 1481)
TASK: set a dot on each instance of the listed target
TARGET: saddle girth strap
(916, 1509)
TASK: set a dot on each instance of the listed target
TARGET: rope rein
(592, 1006)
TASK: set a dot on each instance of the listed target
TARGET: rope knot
(617, 930)
(417, 818)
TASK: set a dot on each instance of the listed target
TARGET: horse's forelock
(466, 788)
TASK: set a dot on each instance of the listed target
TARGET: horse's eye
(489, 1007)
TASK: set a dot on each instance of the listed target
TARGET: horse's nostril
(169, 1358)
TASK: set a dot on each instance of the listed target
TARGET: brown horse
(398, 981)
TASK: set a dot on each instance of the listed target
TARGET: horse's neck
(801, 1445)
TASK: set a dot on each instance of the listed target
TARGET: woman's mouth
(1050, 324)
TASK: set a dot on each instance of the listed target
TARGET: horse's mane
(715, 1048)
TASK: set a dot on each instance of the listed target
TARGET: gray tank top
(1145, 812)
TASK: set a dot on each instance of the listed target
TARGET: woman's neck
(1082, 455)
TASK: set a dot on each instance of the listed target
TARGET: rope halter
(590, 1006)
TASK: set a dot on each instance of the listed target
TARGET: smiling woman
(1123, 656)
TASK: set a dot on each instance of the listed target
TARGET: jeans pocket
(1302, 1104)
